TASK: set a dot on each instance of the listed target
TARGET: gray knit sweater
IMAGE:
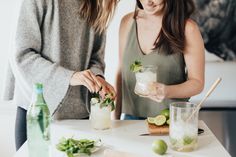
(52, 42)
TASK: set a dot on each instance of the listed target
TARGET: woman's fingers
(157, 92)
(112, 91)
(97, 83)
(106, 88)
(87, 79)
(82, 82)
(87, 83)
(93, 83)
(154, 98)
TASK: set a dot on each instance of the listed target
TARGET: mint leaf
(136, 66)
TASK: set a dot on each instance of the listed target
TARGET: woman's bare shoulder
(191, 27)
(127, 20)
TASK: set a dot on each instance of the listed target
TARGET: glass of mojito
(100, 114)
(144, 79)
(183, 130)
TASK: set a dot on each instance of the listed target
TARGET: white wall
(112, 54)
(8, 15)
(4, 37)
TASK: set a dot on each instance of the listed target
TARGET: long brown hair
(98, 13)
(172, 35)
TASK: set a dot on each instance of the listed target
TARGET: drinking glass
(144, 80)
(100, 117)
(183, 128)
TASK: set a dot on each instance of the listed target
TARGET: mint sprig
(136, 66)
(108, 101)
(72, 146)
(104, 102)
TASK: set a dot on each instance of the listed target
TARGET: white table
(124, 136)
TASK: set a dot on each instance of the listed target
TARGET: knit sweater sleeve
(29, 65)
(97, 64)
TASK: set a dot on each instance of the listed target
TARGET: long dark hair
(172, 35)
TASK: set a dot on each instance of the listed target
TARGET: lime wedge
(168, 122)
(151, 120)
(160, 120)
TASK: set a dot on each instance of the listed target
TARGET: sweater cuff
(97, 71)
(56, 93)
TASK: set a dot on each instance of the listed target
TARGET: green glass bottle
(38, 125)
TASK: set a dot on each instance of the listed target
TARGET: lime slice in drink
(187, 140)
(166, 113)
(151, 120)
(138, 68)
(160, 120)
(168, 122)
(159, 147)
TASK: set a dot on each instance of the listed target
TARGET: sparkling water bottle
(38, 125)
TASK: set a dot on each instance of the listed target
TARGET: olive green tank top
(170, 71)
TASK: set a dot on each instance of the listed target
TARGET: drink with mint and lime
(100, 115)
(183, 133)
(145, 76)
(38, 125)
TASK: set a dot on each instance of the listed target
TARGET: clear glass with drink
(100, 116)
(144, 79)
(183, 129)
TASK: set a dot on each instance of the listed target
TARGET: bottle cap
(38, 87)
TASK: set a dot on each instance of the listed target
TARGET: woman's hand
(160, 92)
(106, 87)
(87, 79)
(93, 83)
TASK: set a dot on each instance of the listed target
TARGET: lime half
(151, 120)
(160, 120)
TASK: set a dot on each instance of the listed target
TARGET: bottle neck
(38, 97)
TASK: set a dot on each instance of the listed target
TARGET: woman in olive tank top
(159, 33)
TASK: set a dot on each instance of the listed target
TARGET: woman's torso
(67, 41)
(170, 71)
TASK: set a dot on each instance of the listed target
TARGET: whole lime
(159, 147)
(166, 113)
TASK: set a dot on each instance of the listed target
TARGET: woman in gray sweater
(59, 43)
